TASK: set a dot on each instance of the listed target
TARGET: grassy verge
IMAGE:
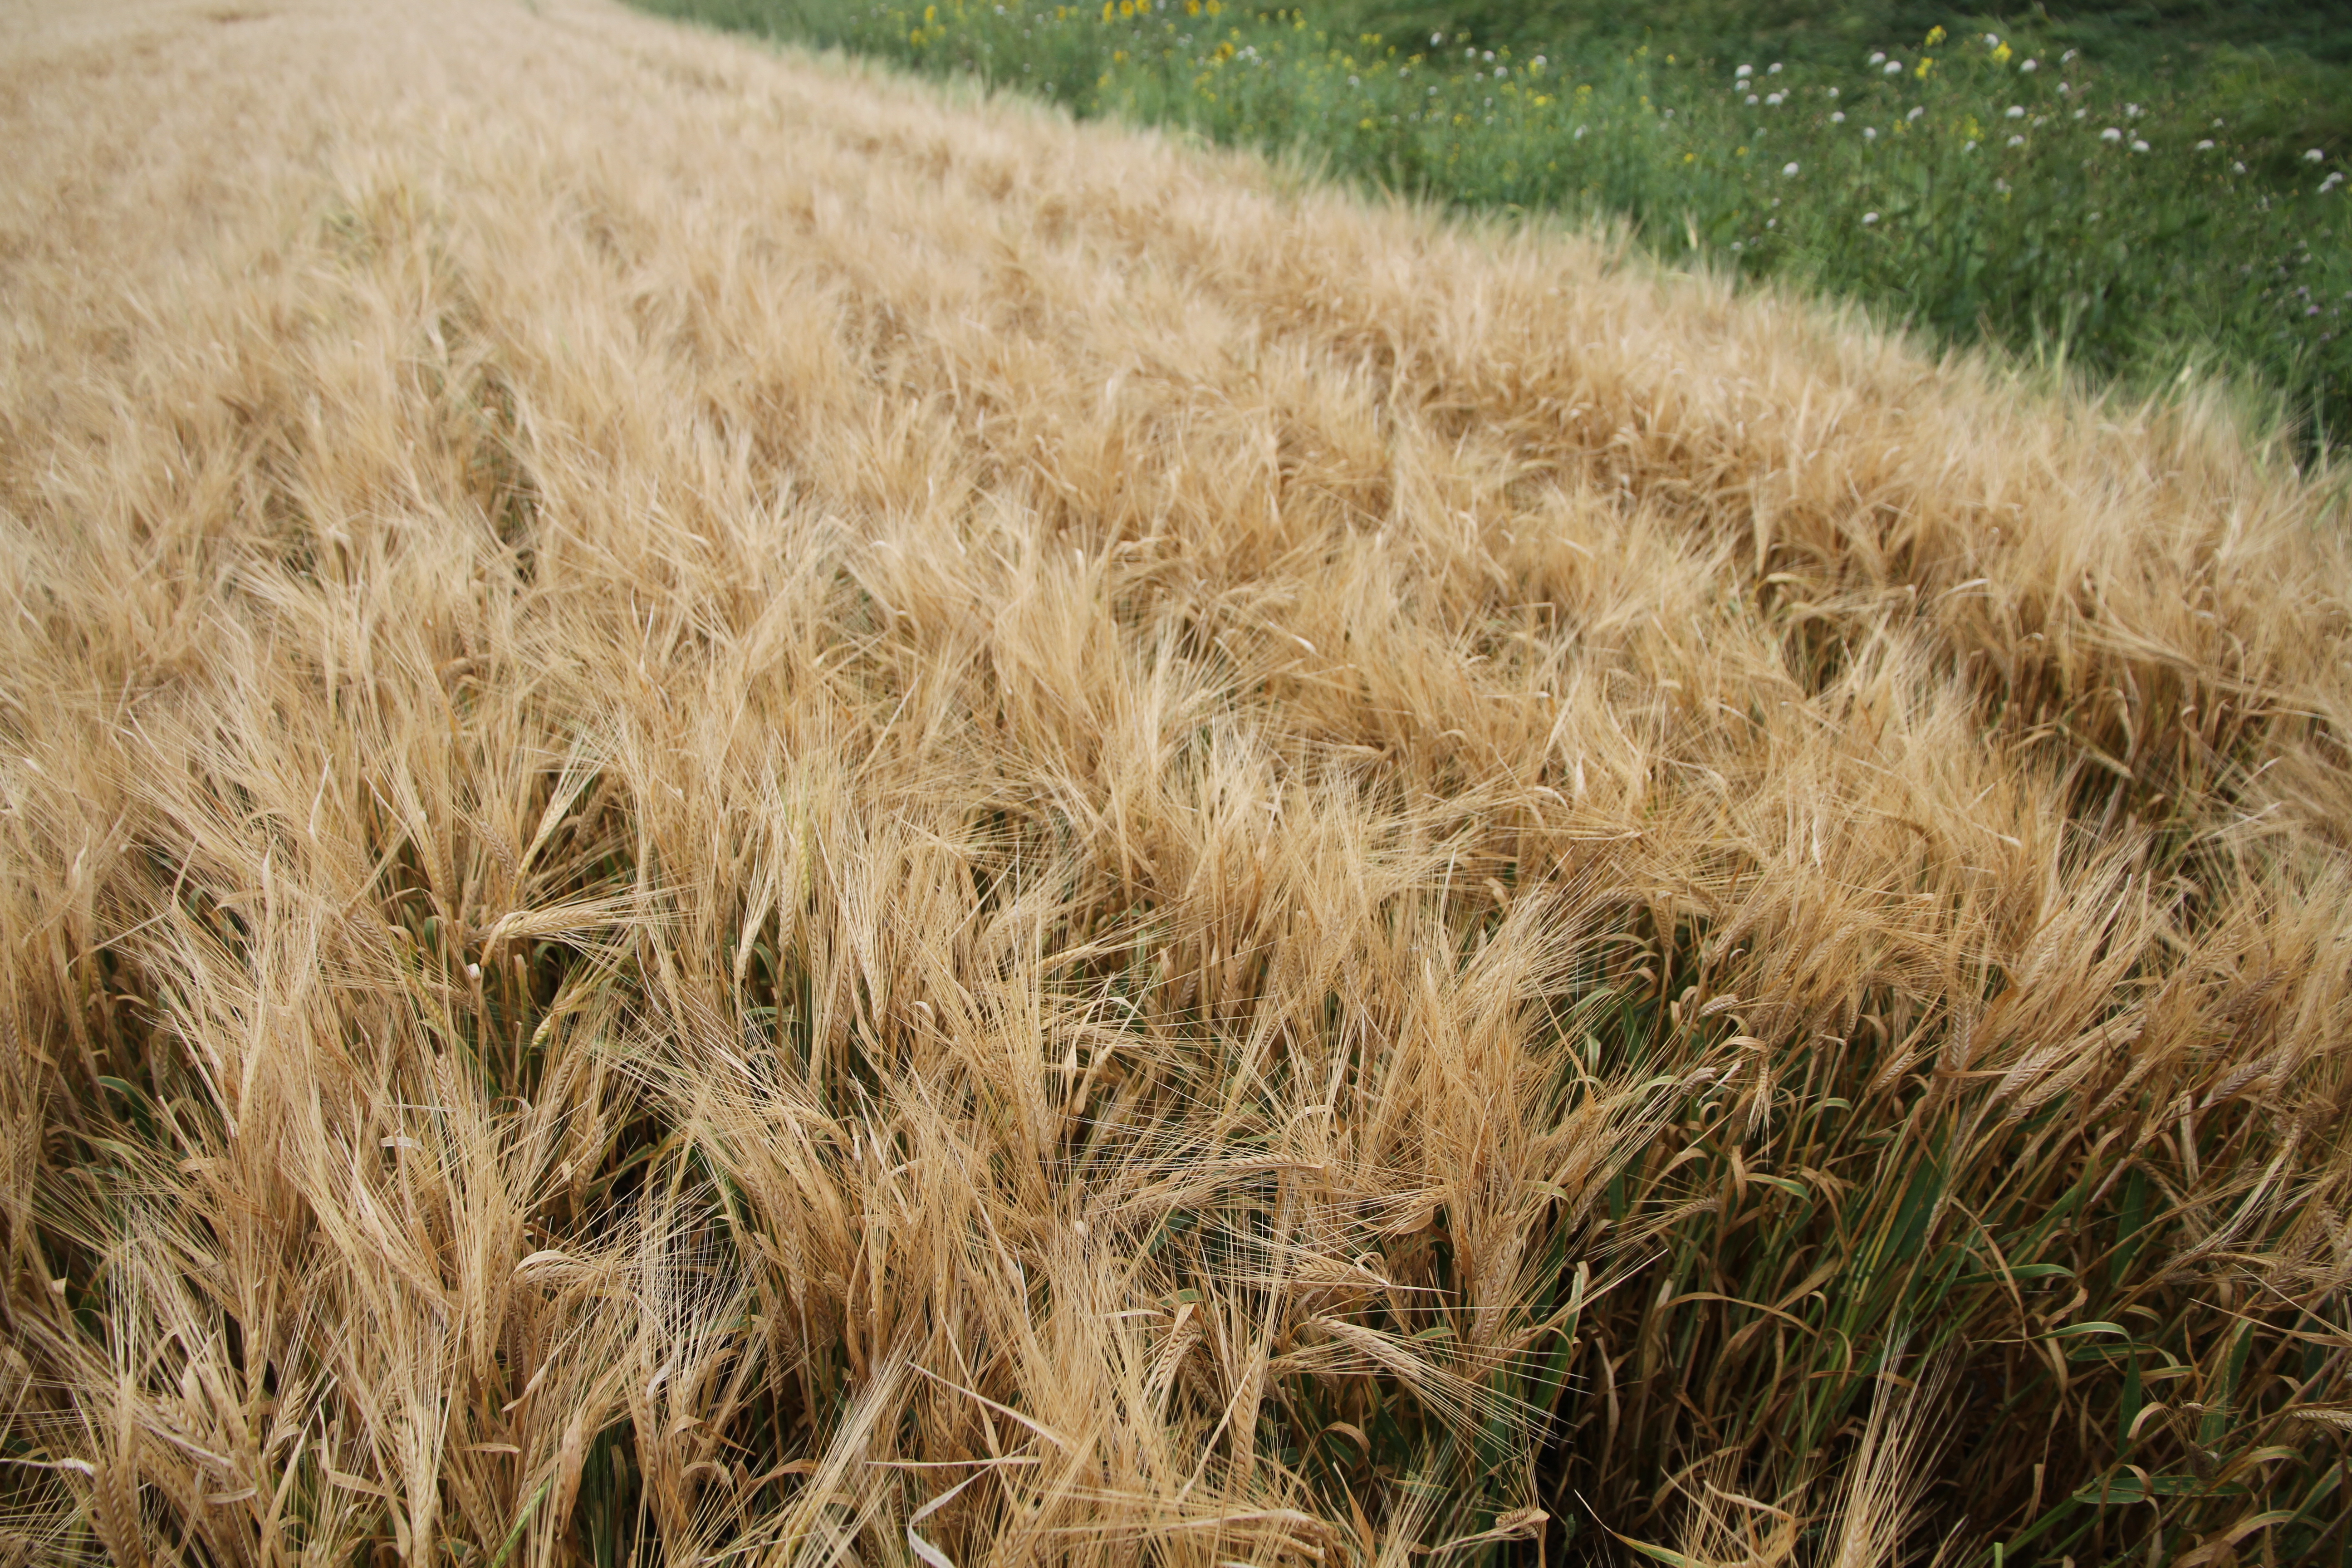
(2304, 37)
(2141, 224)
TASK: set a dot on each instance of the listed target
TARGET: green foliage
(1825, 1218)
(2153, 32)
(2135, 223)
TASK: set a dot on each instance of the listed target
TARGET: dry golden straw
(731, 797)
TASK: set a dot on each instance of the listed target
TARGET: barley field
(750, 812)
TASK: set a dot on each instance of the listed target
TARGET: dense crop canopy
(746, 817)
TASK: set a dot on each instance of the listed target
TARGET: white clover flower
(1541, 62)
(2314, 156)
(1869, 219)
(1789, 171)
(1870, 132)
(2111, 134)
(1772, 222)
(2014, 111)
(2029, 66)
(2238, 168)
(2138, 146)
(1436, 40)
(1992, 40)
(1833, 92)
(1837, 116)
(2017, 140)
(2069, 54)
(1772, 98)
(2131, 111)
(1967, 146)
(1502, 71)
(1743, 71)
(1916, 110)
(1578, 137)
(1876, 56)
(1894, 67)
(2080, 112)
(1772, 69)
(1751, 99)
(2206, 145)
(2001, 187)
(1490, 57)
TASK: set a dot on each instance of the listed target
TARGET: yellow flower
(2000, 54)
(1192, 7)
(1110, 8)
(930, 15)
(1216, 7)
(1936, 34)
(1127, 7)
(1690, 157)
(1927, 64)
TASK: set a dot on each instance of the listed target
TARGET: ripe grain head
(729, 795)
